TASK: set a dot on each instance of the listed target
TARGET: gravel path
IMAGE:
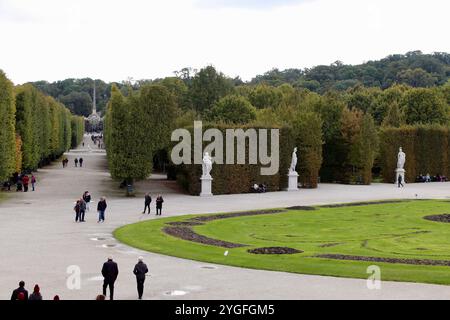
(40, 240)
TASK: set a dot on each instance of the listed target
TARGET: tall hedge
(7, 128)
(136, 127)
(235, 178)
(308, 138)
(426, 148)
(39, 125)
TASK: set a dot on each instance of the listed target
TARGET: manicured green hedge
(426, 148)
(238, 178)
(7, 128)
(35, 128)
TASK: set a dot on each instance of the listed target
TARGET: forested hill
(413, 68)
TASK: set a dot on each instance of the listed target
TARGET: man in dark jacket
(20, 289)
(77, 211)
(400, 181)
(147, 202)
(81, 162)
(101, 208)
(159, 202)
(140, 270)
(82, 209)
(110, 271)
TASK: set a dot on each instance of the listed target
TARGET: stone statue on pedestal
(400, 172)
(401, 159)
(293, 161)
(206, 178)
(293, 175)
(207, 165)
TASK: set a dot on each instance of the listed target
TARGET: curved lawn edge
(161, 243)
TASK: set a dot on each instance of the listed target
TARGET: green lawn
(395, 230)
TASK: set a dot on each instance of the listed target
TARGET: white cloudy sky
(117, 39)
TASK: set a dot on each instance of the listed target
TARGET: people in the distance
(159, 202)
(101, 208)
(147, 202)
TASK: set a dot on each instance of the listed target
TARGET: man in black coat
(147, 202)
(110, 271)
(140, 270)
(20, 289)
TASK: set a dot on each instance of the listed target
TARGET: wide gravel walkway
(40, 240)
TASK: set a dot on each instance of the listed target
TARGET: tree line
(35, 128)
(413, 69)
(337, 131)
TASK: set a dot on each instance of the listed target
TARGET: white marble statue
(401, 159)
(207, 165)
(293, 161)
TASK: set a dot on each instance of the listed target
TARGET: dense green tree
(7, 128)
(424, 106)
(308, 131)
(24, 126)
(180, 91)
(157, 110)
(207, 87)
(394, 117)
(263, 96)
(78, 102)
(136, 127)
(417, 78)
(233, 109)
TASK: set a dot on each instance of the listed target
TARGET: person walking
(101, 208)
(140, 270)
(110, 271)
(82, 210)
(147, 202)
(400, 181)
(87, 198)
(36, 295)
(81, 162)
(20, 290)
(25, 181)
(159, 202)
(19, 184)
(33, 182)
(76, 162)
(77, 210)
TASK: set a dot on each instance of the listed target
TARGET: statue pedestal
(293, 181)
(400, 172)
(206, 186)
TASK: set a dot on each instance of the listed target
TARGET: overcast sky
(114, 40)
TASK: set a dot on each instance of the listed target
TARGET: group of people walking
(21, 294)
(77, 162)
(22, 182)
(148, 200)
(83, 204)
(110, 272)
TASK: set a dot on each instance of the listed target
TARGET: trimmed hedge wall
(234, 179)
(426, 148)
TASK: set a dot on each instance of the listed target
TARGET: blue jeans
(101, 215)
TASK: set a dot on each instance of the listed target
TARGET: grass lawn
(393, 230)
